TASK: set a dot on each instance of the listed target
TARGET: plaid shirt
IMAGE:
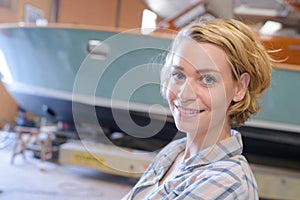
(217, 172)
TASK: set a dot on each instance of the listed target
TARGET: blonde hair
(245, 54)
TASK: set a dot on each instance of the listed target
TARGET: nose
(186, 91)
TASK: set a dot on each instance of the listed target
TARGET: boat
(87, 77)
(107, 81)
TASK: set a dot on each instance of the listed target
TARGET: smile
(188, 111)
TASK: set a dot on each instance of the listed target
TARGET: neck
(196, 142)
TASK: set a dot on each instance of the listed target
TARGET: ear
(242, 87)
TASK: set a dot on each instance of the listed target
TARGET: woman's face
(201, 87)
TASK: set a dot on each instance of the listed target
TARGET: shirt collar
(222, 150)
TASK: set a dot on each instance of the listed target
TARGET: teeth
(189, 111)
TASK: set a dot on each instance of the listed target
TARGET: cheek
(220, 100)
(171, 92)
(170, 95)
(205, 96)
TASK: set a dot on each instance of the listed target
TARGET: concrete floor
(31, 179)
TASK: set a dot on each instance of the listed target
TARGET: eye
(208, 79)
(178, 76)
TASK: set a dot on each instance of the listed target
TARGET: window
(148, 22)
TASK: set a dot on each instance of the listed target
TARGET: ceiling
(177, 13)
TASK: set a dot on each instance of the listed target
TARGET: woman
(212, 79)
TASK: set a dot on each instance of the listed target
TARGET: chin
(189, 127)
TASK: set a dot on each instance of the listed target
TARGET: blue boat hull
(61, 74)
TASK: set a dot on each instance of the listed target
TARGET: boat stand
(25, 135)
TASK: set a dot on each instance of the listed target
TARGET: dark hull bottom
(279, 146)
(59, 110)
(271, 147)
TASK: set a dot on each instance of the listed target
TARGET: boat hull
(76, 75)
(110, 81)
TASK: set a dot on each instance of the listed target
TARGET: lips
(188, 111)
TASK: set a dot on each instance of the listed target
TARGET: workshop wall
(14, 10)
(113, 13)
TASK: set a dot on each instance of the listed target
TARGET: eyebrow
(199, 71)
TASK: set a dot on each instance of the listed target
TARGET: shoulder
(228, 179)
(236, 169)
